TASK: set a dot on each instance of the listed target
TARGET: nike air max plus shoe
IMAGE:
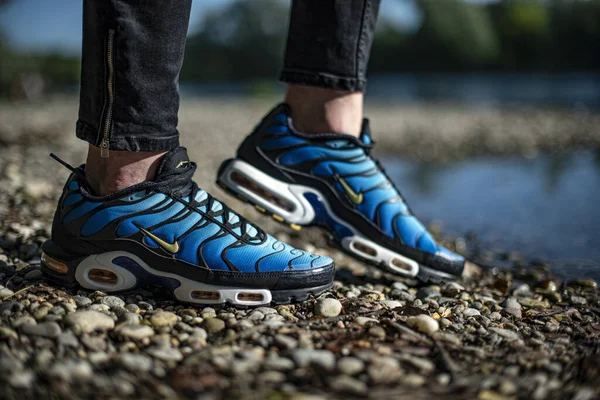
(332, 181)
(169, 232)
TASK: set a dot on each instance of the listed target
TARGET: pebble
(71, 371)
(578, 300)
(135, 362)
(511, 302)
(391, 303)
(214, 325)
(208, 312)
(365, 320)
(423, 323)
(445, 323)
(67, 339)
(278, 364)
(69, 307)
(328, 307)
(112, 301)
(10, 307)
(129, 318)
(321, 358)
(40, 313)
(165, 353)
(424, 365)
(384, 370)
(82, 301)
(7, 333)
(24, 320)
(532, 303)
(586, 283)
(136, 332)
(163, 319)
(45, 329)
(551, 327)
(9, 363)
(94, 343)
(425, 293)
(507, 387)
(505, 333)
(89, 321)
(133, 308)
(443, 379)
(348, 385)
(452, 289)
(399, 286)
(515, 312)
(350, 366)
(256, 316)
(21, 379)
(4, 293)
(377, 332)
(98, 358)
(414, 380)
(286, 342)
(267, 310)
(269, 378)
(471, 312)
(33, 275)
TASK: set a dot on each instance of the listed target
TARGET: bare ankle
(318, 110)
(121, 170)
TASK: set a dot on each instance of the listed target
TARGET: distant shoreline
(425, 131)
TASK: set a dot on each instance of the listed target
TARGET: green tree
(455, 35)
(245, 40)
(524, 30)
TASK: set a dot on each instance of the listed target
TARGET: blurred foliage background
(451, 36)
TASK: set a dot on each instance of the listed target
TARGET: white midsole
(304, 214)
(127, 280)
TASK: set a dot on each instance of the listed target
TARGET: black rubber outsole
(280, 297)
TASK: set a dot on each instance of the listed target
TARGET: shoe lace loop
(180, 184)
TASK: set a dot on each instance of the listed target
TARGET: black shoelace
(179, 184)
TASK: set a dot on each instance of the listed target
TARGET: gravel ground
(507, 334)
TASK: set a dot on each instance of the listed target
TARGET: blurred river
(491, 89)
(544, 207)
(568, 90)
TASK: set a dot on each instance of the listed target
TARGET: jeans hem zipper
(104, 145)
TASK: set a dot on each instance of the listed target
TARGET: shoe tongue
(174, 162)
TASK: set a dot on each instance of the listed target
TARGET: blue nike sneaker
(332, 181)
(168, 232)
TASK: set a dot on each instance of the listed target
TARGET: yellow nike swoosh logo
(168, 247)
(356, 198)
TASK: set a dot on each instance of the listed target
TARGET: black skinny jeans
(133, 52)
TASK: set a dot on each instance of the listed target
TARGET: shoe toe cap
(446, 261)
(307, 278)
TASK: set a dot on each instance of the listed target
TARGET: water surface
(564, 90)
(545, 207)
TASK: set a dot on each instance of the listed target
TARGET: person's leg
(132, 54)
(325, 63)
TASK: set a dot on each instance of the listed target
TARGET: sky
(49, 25)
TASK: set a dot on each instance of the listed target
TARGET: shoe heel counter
(61, 235)
(249, 151)
(60, 205)
(248, 148)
